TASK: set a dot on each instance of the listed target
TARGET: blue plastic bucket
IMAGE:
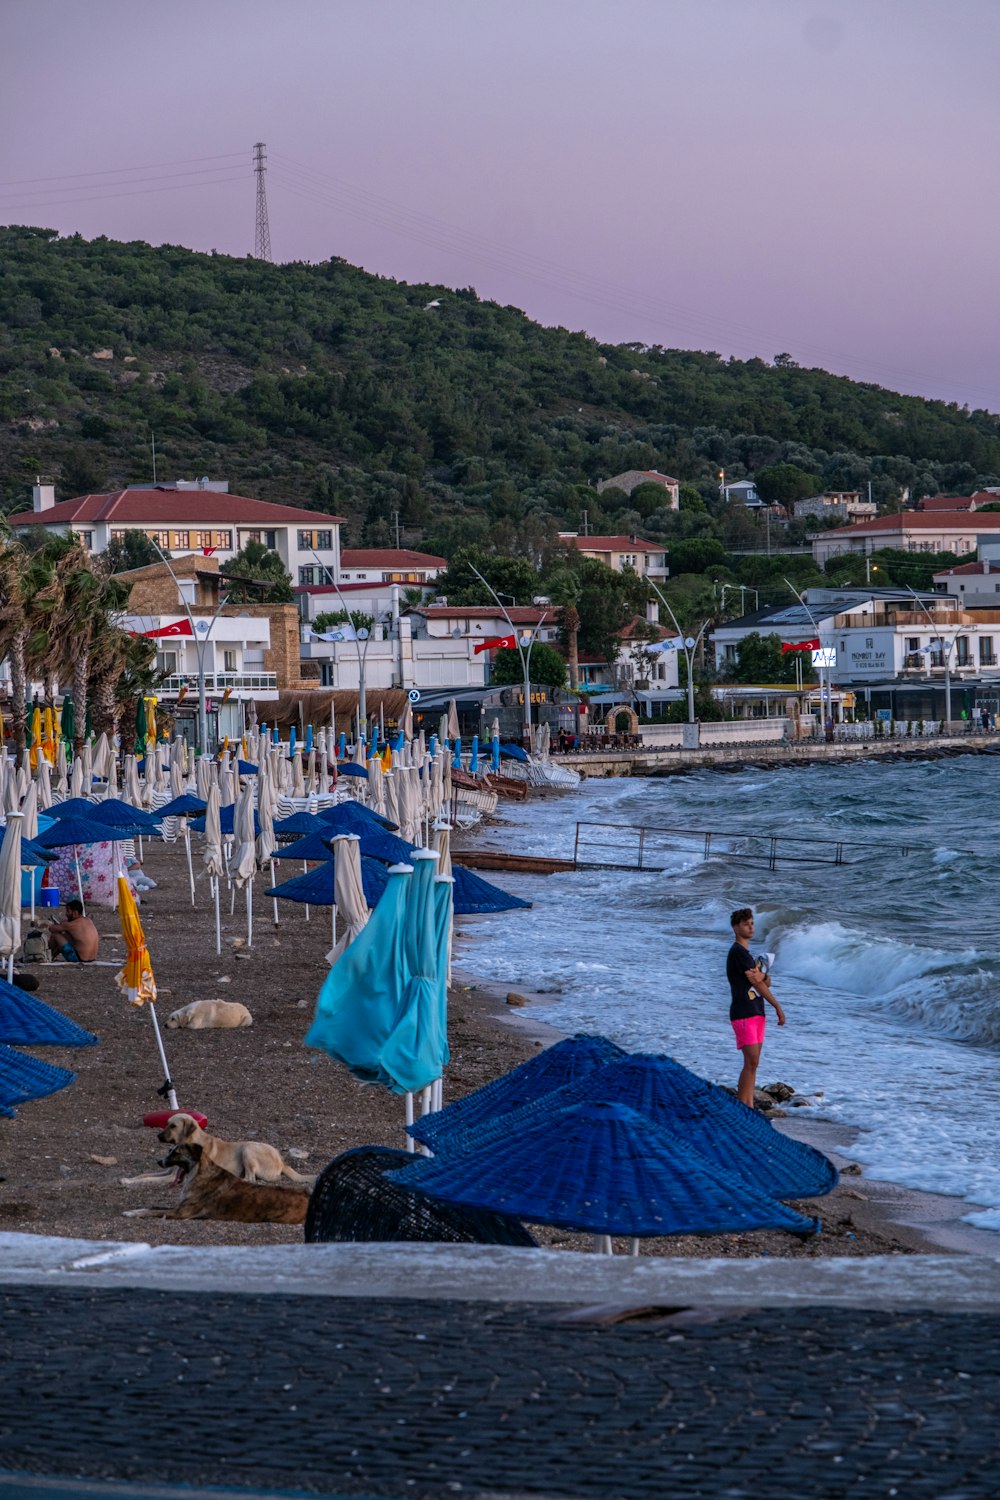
(47, 897)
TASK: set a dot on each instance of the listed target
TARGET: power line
(47, 193)
(262, 233)
(113, 171)
(133, 193)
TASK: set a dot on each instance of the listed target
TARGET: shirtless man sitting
(77, 939)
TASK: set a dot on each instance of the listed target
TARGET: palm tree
(569, 621)
(89, 598)
(121, 671)
(28, 601)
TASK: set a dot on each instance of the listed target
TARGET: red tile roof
(389, 557)
(660, 632)
(170, 508)
(917, 521)
(946, 503)
(988, 569)
(613, 544)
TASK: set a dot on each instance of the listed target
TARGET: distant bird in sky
(429, 305)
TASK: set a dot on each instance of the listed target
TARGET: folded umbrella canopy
(348, 886)
(574, 1057)
(603, 1169)
(215, 865)
(10, 891)
(136, 978)
(707, 1118)
(243, 865)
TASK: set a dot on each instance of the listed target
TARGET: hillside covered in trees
(327, 386)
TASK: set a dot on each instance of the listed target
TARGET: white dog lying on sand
(201, 1014)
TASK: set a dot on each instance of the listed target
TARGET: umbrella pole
(79, 877)
(31, 882)
(218, 920)
(633, 1246)
(187, 846)
(10, 969)
(168, 1086)
(333, 922)
(408, 1119)
(250, 912)
(274, 902)
(425, 1100)
(305, 867)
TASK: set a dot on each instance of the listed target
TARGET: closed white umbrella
(349, 893)
(203, 777)
(442, 843)
(10, 892)
(100, 757)
(226, 798)
(298, 782)
(213, 856)
(29, 827)
(76, 778)
(131, 791)
(266, 840)
(390, 792)
(11, 800)
(376, 785)
(176, 776)
(44, 784)
(311, 774)
(243, 864)
(112, 777)
(324, 768)
(62, 772)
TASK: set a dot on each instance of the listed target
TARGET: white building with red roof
(389, 565)
(648, 559)
(183, 518)
(909, 531)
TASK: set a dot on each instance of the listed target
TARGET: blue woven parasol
(348, 768)
(316, 887)
(301, 824)
(27, 1022)
(475, 895)
(77, 830)
(707, 1118)
(375, 844)
(81, 805)
(574, 1057)
(226, 816)
(181, 807)
(354, 817)
(118, 814)
(23, 1078)
(602, 1169)
(31, 853)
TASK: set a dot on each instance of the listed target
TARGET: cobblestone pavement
(393, 1397)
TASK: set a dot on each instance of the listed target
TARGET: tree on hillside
(256, 575)
(605, 603)
(783, 484)
(547, 666)
(507, 575)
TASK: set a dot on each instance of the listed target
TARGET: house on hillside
(632, 478)
(909, 531)
(181, 519)
(648, 559)
(743, 492)
(835, 505)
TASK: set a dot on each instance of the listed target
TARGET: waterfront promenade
(656, 761)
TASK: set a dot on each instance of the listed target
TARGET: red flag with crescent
(495, 642)
(179, 627)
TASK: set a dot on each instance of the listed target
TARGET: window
(266, 538)
(166, 661)
(160, 538)
(962, 650)
(912, 644)
(310, 575)
(986, 656)
(322, 541)
(229, 661)
(117, 536)
(87, 538)
(180, 541)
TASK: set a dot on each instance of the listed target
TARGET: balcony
(243, 684)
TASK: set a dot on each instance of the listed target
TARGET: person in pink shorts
(749, 989)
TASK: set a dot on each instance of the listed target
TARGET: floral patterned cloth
(97, 874)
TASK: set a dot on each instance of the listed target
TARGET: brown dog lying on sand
(207, 1192)
(254, 1161)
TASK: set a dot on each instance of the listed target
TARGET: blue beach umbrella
(495, 753)
(316, 888)
(181, 807)
(738, 1140)
(275, 737)
(81, 805)
(291, 742)
(432, 745)
(474, 758)
(375, 844)
(309, 738)
(341, 746)
(23, 1077)
(27, 1022)
(475, 896)
(77, 830)
(603, 1169)
(226, 816)
(355, 817)
(456, 759)
(415, 1052)
(574, 1057)
(300, 824)
(349, 768)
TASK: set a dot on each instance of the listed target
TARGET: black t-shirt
(743, 1004)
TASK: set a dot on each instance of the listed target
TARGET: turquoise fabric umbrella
(415, 1052)
(382, 1008)
(359, 1001)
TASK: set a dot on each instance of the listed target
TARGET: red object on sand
(159, 1117)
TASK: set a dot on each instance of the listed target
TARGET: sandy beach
(62, 1159)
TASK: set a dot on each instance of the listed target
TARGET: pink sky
(750, 176)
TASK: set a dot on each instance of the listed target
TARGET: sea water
(888, 968)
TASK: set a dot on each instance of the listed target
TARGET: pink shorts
(749, 1031)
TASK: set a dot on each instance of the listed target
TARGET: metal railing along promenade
(646, 847)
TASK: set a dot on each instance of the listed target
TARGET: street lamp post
(200, 642)
(359, 636)
(827, 693)
(688, 646)
(525, 654)
(946, 650)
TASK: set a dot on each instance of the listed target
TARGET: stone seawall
(677, 762)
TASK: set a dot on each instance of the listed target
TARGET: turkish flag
(803, 646)
(208, 551)
(495, 642)
(179, 627)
